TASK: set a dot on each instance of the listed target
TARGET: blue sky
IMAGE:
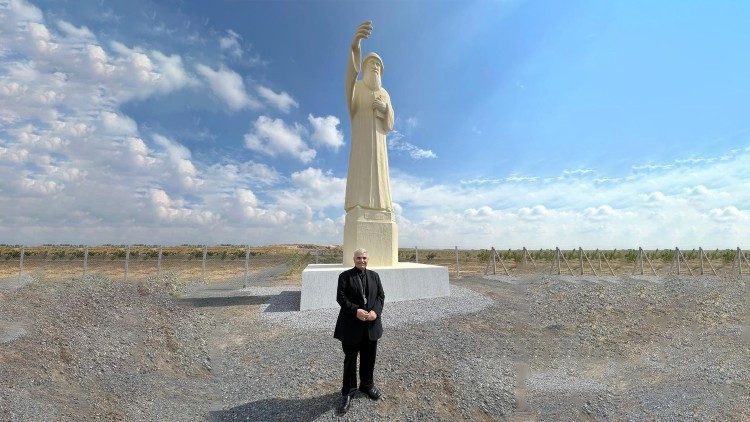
(538, 124)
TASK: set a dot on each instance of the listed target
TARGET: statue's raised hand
(363, 31)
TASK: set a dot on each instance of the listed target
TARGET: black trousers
(366, 350)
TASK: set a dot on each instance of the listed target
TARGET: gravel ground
(532, 348)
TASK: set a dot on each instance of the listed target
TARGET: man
(361, 297)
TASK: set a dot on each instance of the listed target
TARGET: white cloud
(171, 210)
(44, 187)
(252, 210)
(73, 31)
(577, 172)
(14, 155)
(22, 11)
(116, 124)
(274, 137)
(599, 213)
(231, 44)
(183, 170)
(397, 143)
(282, 101)
(725, 214)
(326, 132)
(229, 86)
(533, 213)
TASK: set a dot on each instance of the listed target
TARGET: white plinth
(373, 230)
(403, 281)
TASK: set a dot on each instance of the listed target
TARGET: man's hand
(363, 31)
(372, 316)
(362, 315)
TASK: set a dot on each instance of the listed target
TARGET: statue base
(403, 281)
(373, 230)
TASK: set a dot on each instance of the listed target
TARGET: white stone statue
(369, 223)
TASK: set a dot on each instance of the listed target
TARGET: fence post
(700, 252)
(739, 259)
(640, 258)
(158, 262)
(23, 251)
(677, 257)
(247, 265)
(127, 261)
(203, 264)
(416, 254)
(316, 255)
(494, 262)
(458, 268)
(85, 260)
(580, 258)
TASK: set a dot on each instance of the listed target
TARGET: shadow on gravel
(286, 301)
(202, 302)
(278, 409)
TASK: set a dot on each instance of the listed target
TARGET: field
(232, 262)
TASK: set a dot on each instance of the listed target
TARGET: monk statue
(369, 223)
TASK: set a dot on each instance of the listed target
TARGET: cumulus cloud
(228, 86)
(533, 213)
(325, 131)
(252, 210)
(183, 170)
(274, 137)
(599, 213)
(281, 101)
(171, 210)
(730, 213)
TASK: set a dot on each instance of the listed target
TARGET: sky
(611, 124)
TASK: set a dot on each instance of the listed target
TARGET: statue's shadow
(275, 409)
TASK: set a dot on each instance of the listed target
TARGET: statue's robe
(367, 183)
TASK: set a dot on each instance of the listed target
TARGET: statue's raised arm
(353, 66)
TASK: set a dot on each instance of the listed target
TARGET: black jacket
(349, 329)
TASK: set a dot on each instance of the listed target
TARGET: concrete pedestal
(403, 281)
(373, 230)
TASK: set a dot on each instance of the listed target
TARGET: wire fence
(286, 262)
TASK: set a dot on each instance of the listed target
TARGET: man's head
(360, 259)
(372, 68)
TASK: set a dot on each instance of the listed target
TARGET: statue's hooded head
(372, 69)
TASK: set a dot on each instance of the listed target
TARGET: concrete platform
(404, 281)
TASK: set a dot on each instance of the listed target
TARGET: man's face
(360, 261)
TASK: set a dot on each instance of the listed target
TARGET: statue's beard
(372, 80)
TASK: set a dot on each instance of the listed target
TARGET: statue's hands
(363, 31)
(379, 105)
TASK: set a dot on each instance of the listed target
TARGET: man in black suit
(358, 326)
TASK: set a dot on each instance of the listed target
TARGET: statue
(369, 223)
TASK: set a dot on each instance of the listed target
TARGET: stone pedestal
(373, 230)
(403, 281)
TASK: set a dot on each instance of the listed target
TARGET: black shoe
(371, 392)
(346, 402)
